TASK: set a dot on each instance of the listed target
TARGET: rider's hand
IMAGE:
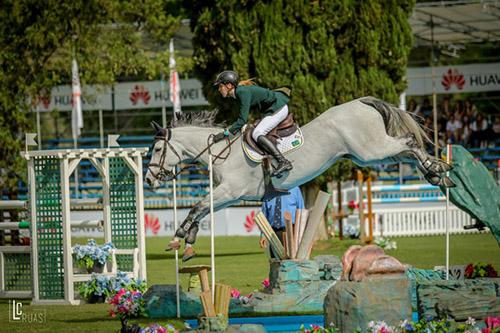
(221, 136)
(263, 242)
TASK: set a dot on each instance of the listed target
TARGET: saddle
(286, 128)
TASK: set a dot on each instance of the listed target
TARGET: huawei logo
(453, 77)
(139, 93)
(152, 222)
(249, 221)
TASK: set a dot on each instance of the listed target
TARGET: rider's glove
(221, 136)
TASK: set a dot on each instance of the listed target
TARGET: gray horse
(367, 131)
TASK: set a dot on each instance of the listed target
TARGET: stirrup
(270, 191)
(283, 167)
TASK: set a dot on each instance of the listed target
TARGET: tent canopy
(456, 22)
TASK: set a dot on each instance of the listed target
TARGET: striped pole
(212, 224)
(448, 160)
(177, 288)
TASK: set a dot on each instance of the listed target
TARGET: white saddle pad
(285, 145)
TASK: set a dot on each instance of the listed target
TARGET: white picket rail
(419, 221)
(406, 210)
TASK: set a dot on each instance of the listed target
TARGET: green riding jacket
(256, 98)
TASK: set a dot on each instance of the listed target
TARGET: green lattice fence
(17, 272)
(49, 227)
(123, 210)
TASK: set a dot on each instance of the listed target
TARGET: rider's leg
(270, 148)
(265, 126)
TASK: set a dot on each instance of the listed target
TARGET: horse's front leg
(189, 227)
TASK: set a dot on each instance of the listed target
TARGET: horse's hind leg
(432, 168)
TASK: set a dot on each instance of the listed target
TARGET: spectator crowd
(459, 122)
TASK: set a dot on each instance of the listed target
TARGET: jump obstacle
(44, 270)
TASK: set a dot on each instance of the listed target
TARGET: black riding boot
(270, 148)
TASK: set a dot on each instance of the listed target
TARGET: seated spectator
(465, 140)
(453, 129)
(478, 128)
(459, 110)
(426, 108)
(470, 110)
(413, 107)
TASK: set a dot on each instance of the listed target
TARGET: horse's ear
(156, 126)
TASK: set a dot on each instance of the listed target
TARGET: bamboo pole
(291, 249)
(304, 215)
(296, 228)
(271, 236)
(312, 224)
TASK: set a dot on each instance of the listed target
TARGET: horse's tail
(397, 122)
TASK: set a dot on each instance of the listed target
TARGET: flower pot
(96, 268)
(94, 299)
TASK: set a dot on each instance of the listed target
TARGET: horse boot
(181, 232)
(190, 239)
(283, 164)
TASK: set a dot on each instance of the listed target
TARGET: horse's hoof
(173, 245)
(439, 166)
(447, 182)
(433, 179)
(180, 233)
(188, 254)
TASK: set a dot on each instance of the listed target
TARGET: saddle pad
(285, 145)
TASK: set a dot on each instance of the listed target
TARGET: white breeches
(267, 124)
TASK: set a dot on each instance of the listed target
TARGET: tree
(329, 52)
(110, 39)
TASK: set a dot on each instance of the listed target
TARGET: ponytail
(248, 82)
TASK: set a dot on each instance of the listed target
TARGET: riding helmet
(227, 77)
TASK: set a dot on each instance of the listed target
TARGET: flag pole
(76, 114)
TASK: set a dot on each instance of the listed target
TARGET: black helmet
(227, 77)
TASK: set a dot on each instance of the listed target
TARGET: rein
(164, 174)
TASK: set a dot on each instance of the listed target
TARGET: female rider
(252, 97)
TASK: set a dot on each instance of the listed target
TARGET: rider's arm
(244, 98)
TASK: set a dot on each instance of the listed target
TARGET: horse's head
(163, 157)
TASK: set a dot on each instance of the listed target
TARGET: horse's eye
(157, 149)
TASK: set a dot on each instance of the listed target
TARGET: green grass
(242, 264)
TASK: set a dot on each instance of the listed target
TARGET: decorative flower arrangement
(237, 295)
(424, 325)
(127, 304)
(351, 231)
(90, 254)
(385, 243)
(96, 289)
(156, 328)
(380, 327)
(123, 281)
(480, 269)
(492, 325)
(101, 286)
(352, 205)
(319, 329)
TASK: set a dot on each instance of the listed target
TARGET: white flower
(471, 321)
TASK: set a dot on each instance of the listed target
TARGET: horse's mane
(198, 119)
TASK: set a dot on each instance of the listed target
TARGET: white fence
(405, 210)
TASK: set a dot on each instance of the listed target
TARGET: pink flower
(266, 283)
(235, 293)
(384, 329)
(316, 328)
